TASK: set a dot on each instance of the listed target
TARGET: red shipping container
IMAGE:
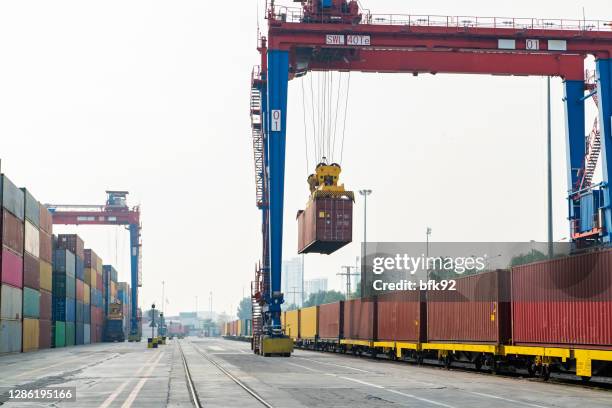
(46, 220)
(44, 334)
(100, 284)
(45, 251)
(566, 301)
(71, 242)
(31, 271)
(12, 232)
(330, 320)
(45, 305)
(12, 268)
(79, 290)
(360, 319)
(326, 225)
(402, 316)
(477, 312)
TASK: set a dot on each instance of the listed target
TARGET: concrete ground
(129, 375)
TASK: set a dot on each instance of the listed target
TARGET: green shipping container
(31, 303)
(59, 334)
(70, 333)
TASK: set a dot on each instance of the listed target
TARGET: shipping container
(86, 334)
(478, 311)
(31, 241)
(80, 333)
(12, 197)
(79, 311)
(92, 260)
(64, 286)
(12, 232)
(79, 265)
(46, 276)
(70, 334)
(309, 323)
(10, 336)
(31, 271)
(59, 334)
(64, 262)
(292, 323)
(86, 314)
(331, 316)
(45, 250)
(86, 294)
(79, 290)
(64, 309)
(46, 220)
(31, 207)
(565, 301)
(87, 275)
(402, 316)
(73, 243)
(11, 303)
(44, 337)
(360, 319)
(12, 268)
(326, 225)
(31, 333)
(46, 305)
(31, 303)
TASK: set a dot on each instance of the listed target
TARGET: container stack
(123, 295)
(31, 273)
(109, 289)
(46, 277)
(74, 244)
(11, 267)
(93, 277)
(64, 294)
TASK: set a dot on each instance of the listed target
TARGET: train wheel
(531, 369)
(448, 359)
(478, 363)
(546, 372)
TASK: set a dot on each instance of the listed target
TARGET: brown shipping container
(12, 232)
(360, 319)
(44, 335)
(477, 312)
(402, 316)
(73, 243)
(330, 320)
(325, 226)
(45, 305)
(31, 271)
(45, 249)
(566, 301)
(46, 220)
(91, 259)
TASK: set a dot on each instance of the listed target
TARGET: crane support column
(276, 127)
(604, 91)
(575, 133)
(134, 261)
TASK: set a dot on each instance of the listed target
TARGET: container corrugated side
(308, 323)
(31, 332)
(12, 232)
(12, 268)
(86, 334)
(70, 334)
(44, 336)
(31, 241)
(59, 334)
(12, 198)
(31, 271)
(566, 301)
(73, 243)
(477, 312)
(11, 302)
(31, 303)
(32, 208)
(360, 319)
(402, 317)
(64, 262)
(46, 220)
(45, 250)
(10, 336)
(292, 323)
(46, 305)
(325, 225)
(330, 320)
(46, 276)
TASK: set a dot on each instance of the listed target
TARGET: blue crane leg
(575, 134)
(278, 82)
(604, 90)
(134, 258)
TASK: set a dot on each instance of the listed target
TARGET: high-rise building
(314, 286)
(292, 277)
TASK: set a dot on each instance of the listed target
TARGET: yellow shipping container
(87, 276)
(86, 294)
(92, 277)
(292, 323)
(31, 332)
(238, 327)
(46, 276)
(309, 325)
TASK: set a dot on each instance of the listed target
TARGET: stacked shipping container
(64, 294)
(31, 273)
(46, 277)
(11, 266)
(123, 295)
(74, 244)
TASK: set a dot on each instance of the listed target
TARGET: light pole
(549, 170)
(365, 193)
(163, 295)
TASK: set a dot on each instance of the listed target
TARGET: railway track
(206, 356)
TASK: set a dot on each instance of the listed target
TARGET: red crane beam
(96, 218)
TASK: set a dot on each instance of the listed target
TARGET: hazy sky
(152, 97)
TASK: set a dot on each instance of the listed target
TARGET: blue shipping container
(70, 310)
(79, 311)
(80, 335)
(80, 268)
(64, 262)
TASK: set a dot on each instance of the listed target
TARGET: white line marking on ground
(118, 391)
(307, 368)
(363, 382)
(337, 365)
(216, 348)
(507, 399)
(130, 399)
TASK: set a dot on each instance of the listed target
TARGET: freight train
(550, 316)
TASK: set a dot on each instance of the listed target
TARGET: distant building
(314, 286)
(292, 277)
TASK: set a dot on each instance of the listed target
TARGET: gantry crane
(336, 35)
(114, 212)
